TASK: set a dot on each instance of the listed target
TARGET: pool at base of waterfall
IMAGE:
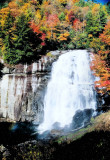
(16, 133)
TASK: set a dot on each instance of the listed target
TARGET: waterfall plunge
(70, 88)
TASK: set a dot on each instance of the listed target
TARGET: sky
(102, 1)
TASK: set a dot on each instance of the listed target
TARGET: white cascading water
(70, 88)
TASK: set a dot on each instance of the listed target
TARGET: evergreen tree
(96, 22)
(21, 43)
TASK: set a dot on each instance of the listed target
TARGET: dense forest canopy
(31, 27)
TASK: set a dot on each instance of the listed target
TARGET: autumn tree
(105, 36)
(52, 21)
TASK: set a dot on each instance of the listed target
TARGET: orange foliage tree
(52, 21)
(38, 32)
(101, 64)
(102, 72)
(105, 36)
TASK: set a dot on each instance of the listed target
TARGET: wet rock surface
(21, 97)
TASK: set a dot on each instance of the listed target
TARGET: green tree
(96, 22)
(108, 7)
(81, 3)
(7, 35)
(62, 16)
(4, 3)
(22, 44)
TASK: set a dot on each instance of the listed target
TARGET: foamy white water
(70, 88)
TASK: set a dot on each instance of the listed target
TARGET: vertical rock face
(21, 94)
(16, 97)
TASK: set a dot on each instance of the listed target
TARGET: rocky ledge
(41, 65)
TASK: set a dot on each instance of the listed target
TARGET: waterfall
(71, 88)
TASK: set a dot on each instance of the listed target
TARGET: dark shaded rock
(82, 118)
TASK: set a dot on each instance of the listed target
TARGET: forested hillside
(31, 27)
